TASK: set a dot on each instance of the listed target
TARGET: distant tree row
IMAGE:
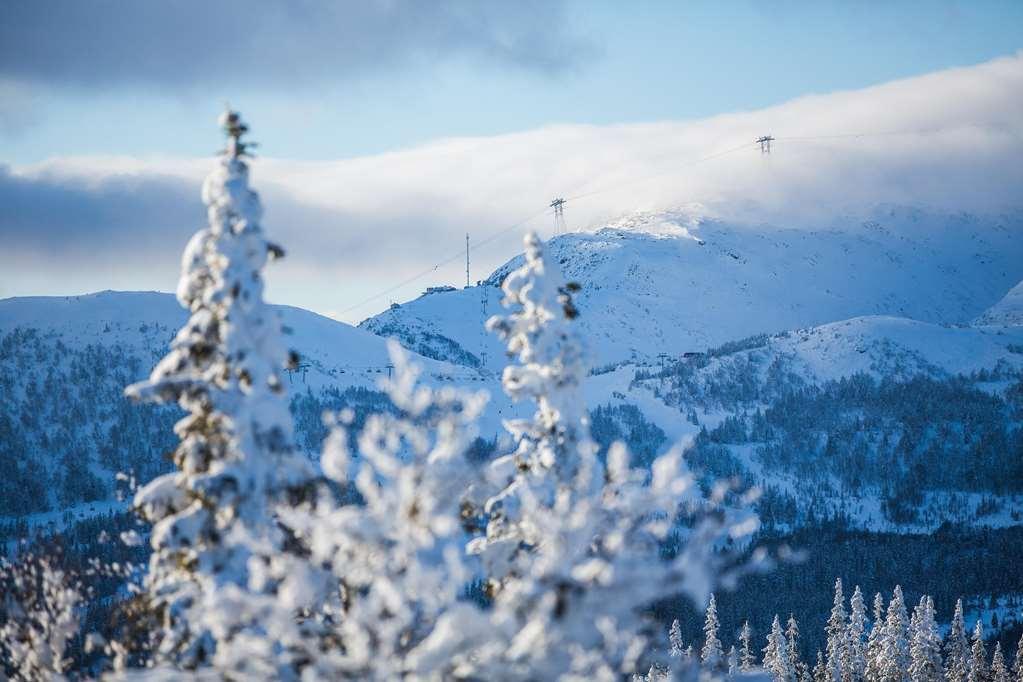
(888, 646)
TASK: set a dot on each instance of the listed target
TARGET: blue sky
(591, 63)
(390, 128)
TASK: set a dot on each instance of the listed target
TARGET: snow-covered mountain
(696, 327)
(666, 283)
(764, 314)
(1007, 312)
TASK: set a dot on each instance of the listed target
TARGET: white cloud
(357, 225)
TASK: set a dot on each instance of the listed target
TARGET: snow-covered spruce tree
(675, 642)
(895, 645)
(573, 548)
(978, 656)
(792, 640)
(925, 646)
(957, 648)
(554, 450)
(747, 659)
(218, 553)
(712, 654)
(1017, 665)
(875, 641)
(855, 664)
(999, 671)
(838, 638)
(39, 615)
(820, 669)
(776, 655)
(397, 561)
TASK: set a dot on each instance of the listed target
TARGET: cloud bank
(951, 140)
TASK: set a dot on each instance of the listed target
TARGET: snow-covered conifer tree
(572, 548)
(40, 607)
(999, 670)
(554, 450)
(895, 646)
(820, 670)
(775, 640)
(678, 646)
(397, 561)
(712, 654)
(855, 664)
(542, 337)
(1017, 665)
(792, 641)
(957, 648)
(978, 656)
(837, 641)
(875, 641)
(747, 659)
(776, 656)
(733, 661)
(925, 645)
(216, 546)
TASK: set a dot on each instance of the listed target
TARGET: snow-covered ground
(1007, 312)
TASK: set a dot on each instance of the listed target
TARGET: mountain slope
(898, 348)
(885, 424)
(664, 283)
(1007, 312)
(147, 322)
(66, 428)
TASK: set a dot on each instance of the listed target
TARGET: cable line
(694, 162)
(880, 133)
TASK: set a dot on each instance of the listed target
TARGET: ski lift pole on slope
(559, 215)
(765, 144)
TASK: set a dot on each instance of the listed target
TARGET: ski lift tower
(559, 215)
(765, 144)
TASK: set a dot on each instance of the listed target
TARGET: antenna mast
(466, 260)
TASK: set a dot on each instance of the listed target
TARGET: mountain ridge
(664, 282)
